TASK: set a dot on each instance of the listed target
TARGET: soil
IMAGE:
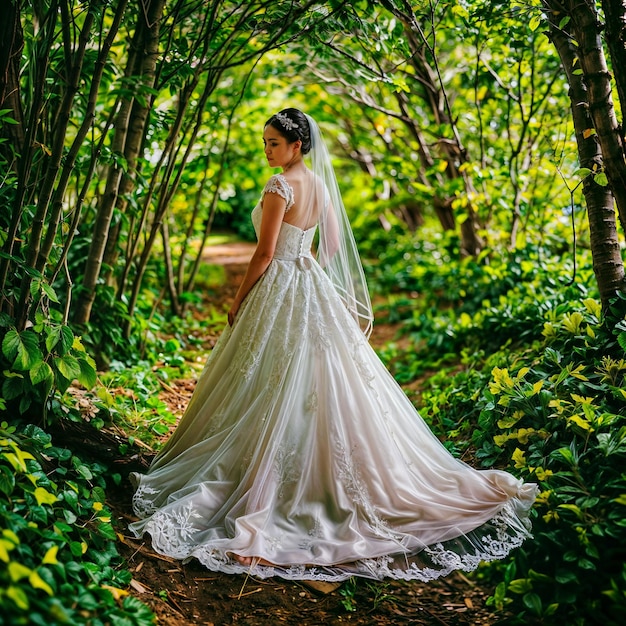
(188, 594)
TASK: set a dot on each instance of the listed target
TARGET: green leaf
(25, 402)
(67, 339)
(106, 530)
(50, 292)
(25, 348)
(54, 334)
(10, 344)
(88, 376)
(535, 20)
(40, 373)
(601, 179)
(68, 366)
(85, 472)
(7, 480)
(521, 585)
(13, 387)
(533, 602)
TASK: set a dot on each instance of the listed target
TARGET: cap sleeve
(278, 184)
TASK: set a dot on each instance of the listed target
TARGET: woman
(299, 455)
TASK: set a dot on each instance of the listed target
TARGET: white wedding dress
(300, 449)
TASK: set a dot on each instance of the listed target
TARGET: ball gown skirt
(300, 449)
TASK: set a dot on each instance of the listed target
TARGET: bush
(38, 361)
(58, 559)
(554, 413)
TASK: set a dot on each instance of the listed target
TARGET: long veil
(337, 251)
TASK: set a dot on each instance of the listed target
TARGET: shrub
(554, 414)
(38, 361)
(58, 559)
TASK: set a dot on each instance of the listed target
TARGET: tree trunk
(615, 16)
(24, 170)
(586, 29)
(146, 45)
(69, 160)
(12, 39)
(434, 94)
(605, 248)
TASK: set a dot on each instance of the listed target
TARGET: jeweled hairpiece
(286, 122)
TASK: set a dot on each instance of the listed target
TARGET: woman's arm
(272, 216)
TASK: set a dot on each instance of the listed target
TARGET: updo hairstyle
(293, 125)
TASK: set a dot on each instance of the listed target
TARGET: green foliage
(471, 306)
(560, 419)
(40, 360)
(129, 398)
(552, 412)
(522, 372)
(58, 560)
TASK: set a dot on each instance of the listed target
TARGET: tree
(576, 31)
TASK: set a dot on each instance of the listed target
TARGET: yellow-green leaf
(17, 571)
(5, 548)
(535, 20)
(500, 440)
(573, 508)
(116, 592)
(50, 558)
(601, 179)
(520, 458)
(18, 596)
(581, 422)
(44, 497)
(38, 583)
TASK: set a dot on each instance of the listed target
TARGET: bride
(299, 455)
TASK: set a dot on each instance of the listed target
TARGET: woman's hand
(233, 313)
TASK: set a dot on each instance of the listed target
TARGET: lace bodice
(293, 242)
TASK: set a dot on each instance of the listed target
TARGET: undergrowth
(58, 558)
(540, 392)
(518, 371)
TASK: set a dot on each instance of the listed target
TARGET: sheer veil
(336, 251)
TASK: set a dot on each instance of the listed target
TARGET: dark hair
(293, 125)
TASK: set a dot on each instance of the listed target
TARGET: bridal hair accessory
(286, 122)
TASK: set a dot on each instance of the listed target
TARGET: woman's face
(278, 151)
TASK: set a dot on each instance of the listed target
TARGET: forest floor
(188, 594)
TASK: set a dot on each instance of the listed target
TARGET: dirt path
(188, 594)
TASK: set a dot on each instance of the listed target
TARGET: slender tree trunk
(168, 189)
(615, 16)
(434, 94)
(147, 47)
(191, 226)
(69, 160)
(586, 30)
(605, 248)
(41, 60)
(12, 43)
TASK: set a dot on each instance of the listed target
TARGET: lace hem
(491, 541)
